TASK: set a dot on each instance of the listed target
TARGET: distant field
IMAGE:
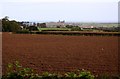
(54, 29)
(60, 53)
(100, 24)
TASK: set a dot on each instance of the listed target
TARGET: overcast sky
(54, 10)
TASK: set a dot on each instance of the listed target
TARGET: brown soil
(60, 53)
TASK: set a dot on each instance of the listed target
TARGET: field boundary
(77, 33)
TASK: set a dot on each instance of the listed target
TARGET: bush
(86, 75)
(73, 28)
(76, 29)
(23, 32)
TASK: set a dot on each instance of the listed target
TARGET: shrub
(86, 75)
(76, 29)
(23, 31)
(71, 75)
(16, 71)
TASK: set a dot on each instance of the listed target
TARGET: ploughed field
(59, 53)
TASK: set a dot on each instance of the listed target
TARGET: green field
(54, 29)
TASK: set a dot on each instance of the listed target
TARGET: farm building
(87, 27)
